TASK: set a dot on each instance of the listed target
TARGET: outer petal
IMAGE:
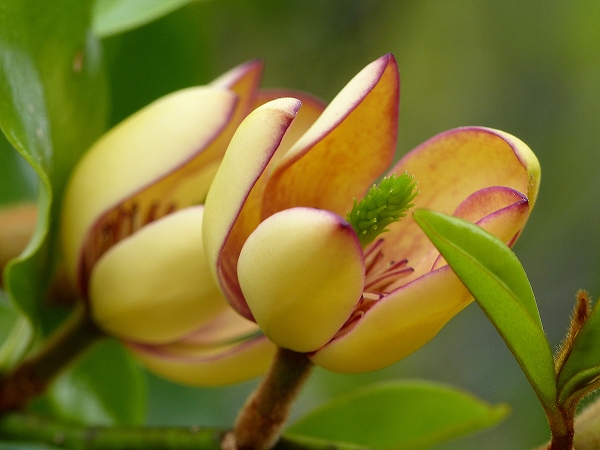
(216, 366)
(397, 325)
(451, 166)
(228, 349)
(227, 223)
(348, 147)
(147, 147)
(156, 286)
(302, 274)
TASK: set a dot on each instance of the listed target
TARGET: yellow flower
(132, 234)
(284, 256)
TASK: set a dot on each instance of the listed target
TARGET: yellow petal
(301, 273)
(155, 286)
(226, 350)
(215, 366)
(244, 80)
(143, 149)
(312, 108)
(348, 147)
(397, 325)
(249, 152)
(506, 222)
(453, 165)
(500, 210)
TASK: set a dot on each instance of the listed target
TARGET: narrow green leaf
(582, 366)
(398, 415)
(116, 16)
(53, 104)
(495, 277)
(106, 387)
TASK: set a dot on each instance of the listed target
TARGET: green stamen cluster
(383, 205)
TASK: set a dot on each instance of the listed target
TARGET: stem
(563, 432)
(32, 376)
(31, 428)
(75, 437)
(261, 420)
(561, 423)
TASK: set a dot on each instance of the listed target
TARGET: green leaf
(495, 277)
(53, 104)
(18, 181)
(582, 366)
(106, 387)
(15, 334)
(398, 415)
(116, 16)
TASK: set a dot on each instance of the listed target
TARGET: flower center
(383, 205)
(379, 276)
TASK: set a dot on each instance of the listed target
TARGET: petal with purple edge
(155, 286)
(451, 166)
(225, 225)
(210, 366)
(505, 223)
(131, 158)
(397, 325)
(312, 108)
(302, 274)
(348, 147)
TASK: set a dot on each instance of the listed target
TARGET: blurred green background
(529, 68)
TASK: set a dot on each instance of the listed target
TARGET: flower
(285, 257)
(131, 234)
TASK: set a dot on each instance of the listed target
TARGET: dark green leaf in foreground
(116, 16)
(17, 179)
(398, 415)
(53, 104)
(495, 277)
(106, 387)
(582, 366)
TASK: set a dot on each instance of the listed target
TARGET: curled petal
(226, 223)
(397, 325)
(155, 286)
(163, 138)
(302, 274)
(312, 108)
(348, 147)
(451, 166)
(499, 210)
(487, 201)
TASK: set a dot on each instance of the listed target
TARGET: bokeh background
(527, 67)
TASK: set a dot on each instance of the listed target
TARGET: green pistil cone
(383, 205)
